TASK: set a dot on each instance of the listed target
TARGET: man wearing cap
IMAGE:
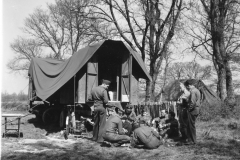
(100, 97)
(129, 118)
(145, 136)
(192, 110)
(113, 131)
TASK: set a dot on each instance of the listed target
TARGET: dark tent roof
(172, 92)
(49, 75)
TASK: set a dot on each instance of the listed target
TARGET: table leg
(18, 127)
(5, 127)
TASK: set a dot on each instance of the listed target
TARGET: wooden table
(12, 130)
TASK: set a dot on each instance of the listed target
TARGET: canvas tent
(47, 76)
(171, 92)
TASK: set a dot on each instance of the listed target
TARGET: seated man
(144, 116)
(169, 128)
(145, 136)
(113, 131)
(129, 119)
(160, 120)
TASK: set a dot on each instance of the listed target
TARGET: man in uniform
(160, 120)
(114, 132)
(145, 136)
(129, 118)
(100, 96)
(169, 128)
(192, 111)
(183, 103)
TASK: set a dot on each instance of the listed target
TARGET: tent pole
(74, 92)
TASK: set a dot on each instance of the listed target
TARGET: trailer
(54, 84)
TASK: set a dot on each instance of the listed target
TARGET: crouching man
(169, 128)
(114, 132)
(145, 137)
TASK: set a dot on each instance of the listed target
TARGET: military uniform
(130, 119)
(113, 131)
(183, 112)
(171, 128)
(100, 97)
(145, 136)
(192, 113)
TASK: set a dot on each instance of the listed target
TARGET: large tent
(49, 75)
(171, 92)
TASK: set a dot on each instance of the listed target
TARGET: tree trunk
(148, 90)
(220, 83)
(229, 85)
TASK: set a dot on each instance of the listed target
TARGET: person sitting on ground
(169, 129)
(144, 116)
(144, 136)
(160, 120)
(113, 131)
(129, 119)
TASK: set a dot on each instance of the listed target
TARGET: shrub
(15, 105)
(209, 112)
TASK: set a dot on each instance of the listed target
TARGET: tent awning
(49, 75)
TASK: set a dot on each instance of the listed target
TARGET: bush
(15, 106)
(209, 112)
(218, 110)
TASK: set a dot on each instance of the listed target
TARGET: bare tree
(215, 32)
(59, 30)
(188, 70)
(25, 49)
(148, 25)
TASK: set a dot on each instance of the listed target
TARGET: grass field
(216, 139)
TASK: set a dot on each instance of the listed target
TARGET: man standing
(192, 110)
(100, 97)
(183, 103)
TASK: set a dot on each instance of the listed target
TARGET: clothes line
(154, 108)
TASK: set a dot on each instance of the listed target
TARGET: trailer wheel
(50, 115)
(62, 119)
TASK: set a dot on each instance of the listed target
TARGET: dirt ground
(46, 142)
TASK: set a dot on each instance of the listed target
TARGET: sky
(13, 14)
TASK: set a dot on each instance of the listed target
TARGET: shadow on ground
(49, 128)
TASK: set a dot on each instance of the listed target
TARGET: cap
(190, 82)
(107, 82)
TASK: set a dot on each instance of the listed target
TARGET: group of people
(124, 127)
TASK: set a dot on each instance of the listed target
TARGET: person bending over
(145, 136)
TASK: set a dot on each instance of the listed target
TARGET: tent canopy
(172, 92)
(49, 75)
